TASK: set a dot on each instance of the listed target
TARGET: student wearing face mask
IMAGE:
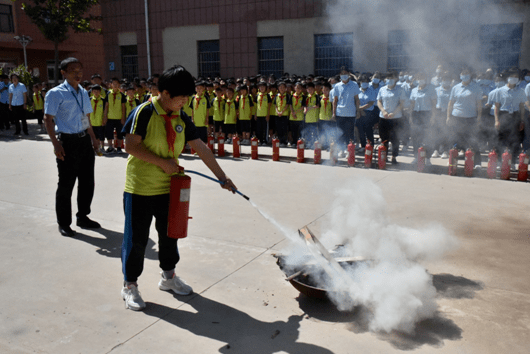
(422, 102)
(464, 114)
(376, 84)
(402, 78)
(525, 79)
(439, 125)
(407, 86)
(509, 114)
(489, 119)
(345, 108)
(364, 123)
(437, 79)
(390, 101)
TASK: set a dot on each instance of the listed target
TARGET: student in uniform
(326, 124)
(230, 111)
(200, 109)
(282, 113)
(38, 107)
(218, 105)
(114, 115)
(245, 109)
(96, 80)
(96, 117)
(263, 103)
(509, 114)
(272, 89)
(312, 112)
(296, 104)
(210, 94)
(132, 101)
(390, 101)
(464, 113)
(253, 93)
(156, 133)
(365, 123)
(440, 113)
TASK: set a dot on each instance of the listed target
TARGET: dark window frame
(129, 62)
(332, 51)
(271, 56)
(7, 24)
(208, 58)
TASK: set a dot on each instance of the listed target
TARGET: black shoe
(86, 223)
(66, 231)
(394, 161)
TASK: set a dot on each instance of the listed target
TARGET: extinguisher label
(422, 154)
(254, 143)
(221, 141)
(368, 152)
(526, 161)
(301, 146)
(184, 195)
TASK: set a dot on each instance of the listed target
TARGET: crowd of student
(481, 111)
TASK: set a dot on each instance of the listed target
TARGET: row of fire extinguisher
(381, 151)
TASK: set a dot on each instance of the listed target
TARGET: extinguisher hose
(216, 180)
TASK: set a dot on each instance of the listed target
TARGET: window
(500, 45)
(209, 58)
(270, 56)
(6, 19)
(400, 47)
(333, 51)
(50, 67)
(129, 62)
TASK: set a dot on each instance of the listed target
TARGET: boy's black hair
(115, 79)
(209, 84)
(96, 87)
(224, 86)
(130, 87)
(242, 87)
(326, 84)
(95, 76)
(218, 88)
(177, 81)
(230, 89)
(273, 85)
(281, 83)
(200, 83)
(64, 64)
(35, 85)
(261, 83)
(123, 86)
(3, 76)
(310, 84)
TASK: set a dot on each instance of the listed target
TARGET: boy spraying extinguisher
(156, 132)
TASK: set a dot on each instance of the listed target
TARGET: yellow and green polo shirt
(187, 108)
(130, 105)
(272, 110)
(144, 178)
(98, 105)
(218, 106)
(245, 107)
(313, 114)
(115, 101)
(200, 106)
(231, 107)
(262, 105)
(297, 102)
(280, 102)
(38, 101)
(326, 108)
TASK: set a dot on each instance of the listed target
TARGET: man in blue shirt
(5, 121)
(17, 104)
(345, 107)
(66, 110)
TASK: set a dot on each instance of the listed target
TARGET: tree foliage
(55, 18)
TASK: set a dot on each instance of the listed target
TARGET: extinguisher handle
(216, 180)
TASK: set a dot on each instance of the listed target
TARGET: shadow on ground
(241, 332)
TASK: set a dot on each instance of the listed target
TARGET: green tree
(55, 18)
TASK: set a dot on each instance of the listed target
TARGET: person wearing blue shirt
(443, 92)
(17, 104)
(5, 116)
(464, 114)
(345, 108)
(422, 102)
(390, 100)
(509, 114)
(367, 100)
(66, 109)
(376, 84)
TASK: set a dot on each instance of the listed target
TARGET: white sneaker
(478, 168)
(513, 167)
(435, 154)
(445, 155)
(461, 153)
(428, 162)
(341, 153)
(132, 298)
(175, 284)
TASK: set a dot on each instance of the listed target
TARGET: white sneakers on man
(175, 284)
(133, 299)
(435, 154)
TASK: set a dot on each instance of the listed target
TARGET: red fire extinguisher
(453, 161)
(523, 167)
(421, 159)
(368, 154)
(351, 154)
(300, 151)
(179, 206)
(492, 164)
(318, 153)
(506, 164)
(468, 165)
(221, 145)
(275, 149)
(254, 148)
(381, 156)
(235, 146)
(210, 143)
(333, 153)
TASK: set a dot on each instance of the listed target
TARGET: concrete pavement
(62, 295)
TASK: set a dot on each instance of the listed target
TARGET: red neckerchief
(243, 107)
(229, 103)
(95, 105)
(171, 135)
(308, 101)
(325, 99)
(297, 98)
(37, 95)
(281, 99)
(198, 100)
(131, 102)
(114, 94)
(261, 95)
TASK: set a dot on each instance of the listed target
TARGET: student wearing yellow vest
(253, 93)
(296, 103)
(96, 117)
(210, 94)
(230, 111)
(282, 113)
(38, 106)
(96, 80)
(218, 107)
(156, 133)
(272, 88)
(326, 125)
(200, 107)
(114, 115)
(132, 101)
(312, 113)
(263, 104)
(245, 108)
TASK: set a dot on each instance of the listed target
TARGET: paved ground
(62, 295)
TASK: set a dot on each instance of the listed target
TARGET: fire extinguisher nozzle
(216, 180)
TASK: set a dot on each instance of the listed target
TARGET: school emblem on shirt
(179, 128)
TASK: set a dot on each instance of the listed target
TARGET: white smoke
(393, 285)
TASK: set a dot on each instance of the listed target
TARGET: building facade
(235, 38)
(40, 52)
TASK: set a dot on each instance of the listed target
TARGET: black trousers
(261, 129)
(465, 135)
(139, 212)
(5, 116)
(421, 132)
(282, 127)
(295, 128)
(509, 134)
(346, 127)
(78, 165)
(19, 115)
(391, 130)
(365, 125)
